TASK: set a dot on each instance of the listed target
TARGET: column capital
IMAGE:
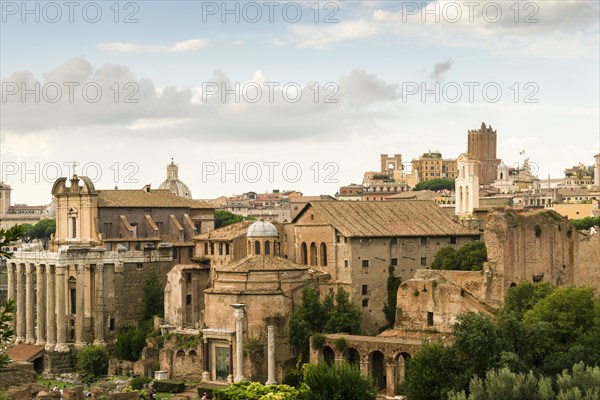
(119, 266)
(100, 267)
(80, 268)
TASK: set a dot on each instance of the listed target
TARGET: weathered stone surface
(16, 374)
(56, 362)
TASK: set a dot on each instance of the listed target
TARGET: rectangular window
(190, 252)
(424, 241)
(394, 262)
(346, 263)
(188, 277)
(338, 239)
(365, 263)
(452, 239)
(395, 242)
(205, 248)
(365, 303)
(139, 266)
(365, 290)
(188, 300)
(220, 249)
(429, 319)
(226, 249)
(111, 324)
(424, 261)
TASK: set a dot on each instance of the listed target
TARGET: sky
(289, 95)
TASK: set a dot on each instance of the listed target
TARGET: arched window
(267, 248)
(256, 247)
(323, 254)
(460, 198)
(303, 254)
(313, 254)
(466, 198)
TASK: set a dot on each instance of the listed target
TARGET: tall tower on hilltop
(482, 147)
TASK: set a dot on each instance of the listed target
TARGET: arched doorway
(328, 355)
(377, 369)
(352, 357)
(323, 254)
(400, 370)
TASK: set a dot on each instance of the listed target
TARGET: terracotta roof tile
(228, 232)
(141, 198)
(389, 218)
(25, 352)
(263, 263)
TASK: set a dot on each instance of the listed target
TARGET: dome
(173, 184)
(262, 229)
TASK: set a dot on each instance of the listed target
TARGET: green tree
(445, 259)
(92, 363)
(224, 218)
(430, 373)
(43, 230)
(469, 257)
(523, 297)
(435, 185)
(337, 382)
(345, 315)
(308, 319)
(27, 233)
(153, 297)
(570, 312)
(130, 343)
(585, 223)
(476, 343)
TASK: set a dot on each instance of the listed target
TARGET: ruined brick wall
(58, 363)
(16, 374)
(539, 246)
(588, 257)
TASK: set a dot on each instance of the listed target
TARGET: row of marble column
(45, 322)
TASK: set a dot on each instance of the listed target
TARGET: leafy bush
(169, 386)
(153, 297)
(318, 340)
(246, 390)
(337, 382)
(340, 344)
(585, 223)
(130, 343)
(92, 363)
(138, 382)
(469, 257)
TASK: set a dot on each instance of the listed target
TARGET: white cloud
(440, 69)
(179, 47)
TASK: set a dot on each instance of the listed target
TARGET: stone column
(12, 276)
(238, 313)
(61, 317)
(205, 372)
(230, 376)
(80, 307)
(20, 304)
(271, 380)
(29, 306)
(99, 312)
(41, 305)
(50, 305)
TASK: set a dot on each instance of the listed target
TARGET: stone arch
(313, 254)
(193, 353)
(400, 369)
(323, 254)
(328, 355)
(180, 353)
(352, 356)
(303, 254)
(377, 369)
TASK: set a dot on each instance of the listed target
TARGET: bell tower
(466, 186)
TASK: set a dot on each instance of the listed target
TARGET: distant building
(431, 166)
(467, 186)
(579, 176)
(17, 214)
(482, 147)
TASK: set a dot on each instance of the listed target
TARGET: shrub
(169, 386)
(340, 344)
(208, 391)
(138, 382)
(318, 340)
(255, 391)
(337, 382)
(130, 343)
(92, 363)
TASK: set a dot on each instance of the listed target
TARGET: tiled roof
(228, 232)
(263, 263)
(141, 198)
(388, 218)
(25, 352)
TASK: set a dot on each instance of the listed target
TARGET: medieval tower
(482, 147)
